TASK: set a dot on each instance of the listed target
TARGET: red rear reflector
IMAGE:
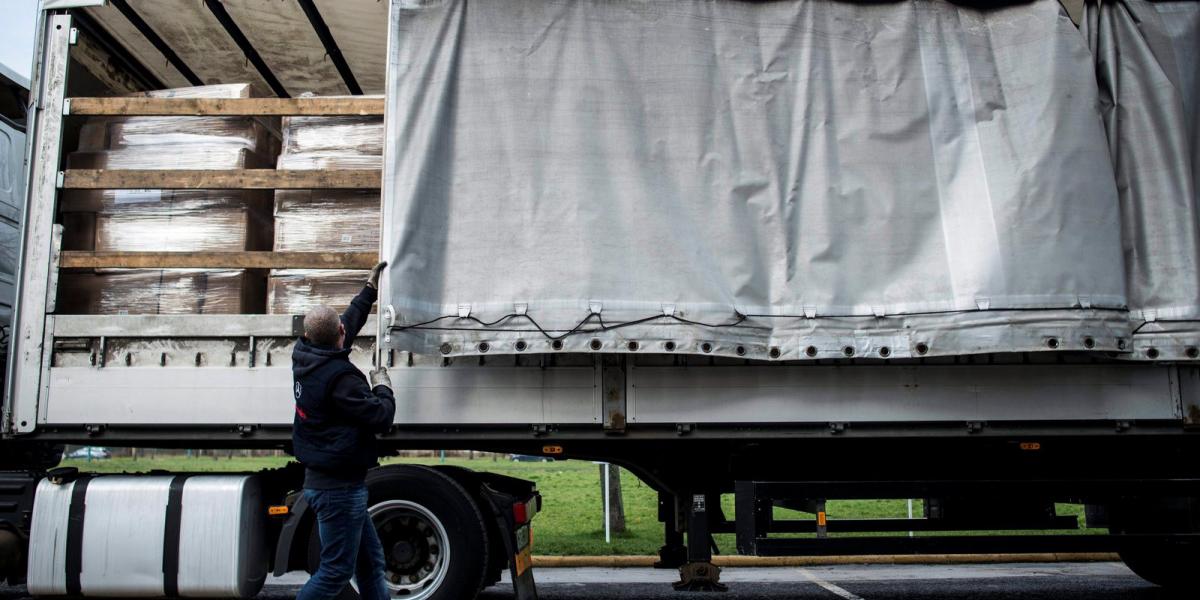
(520, 513)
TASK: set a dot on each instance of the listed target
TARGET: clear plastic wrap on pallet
(295, 291)
(182, 157)
(333, 220)
(332, 143)
(120, 133)
(221, 90)
(167, 221)
(160, 292)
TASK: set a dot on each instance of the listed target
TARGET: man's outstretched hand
(373, 279)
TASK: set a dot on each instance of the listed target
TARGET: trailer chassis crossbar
(754, 522)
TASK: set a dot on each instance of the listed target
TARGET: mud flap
(514, 519)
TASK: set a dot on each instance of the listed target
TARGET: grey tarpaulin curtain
(783, 179)
(1147, 57)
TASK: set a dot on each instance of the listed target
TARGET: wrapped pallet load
(333, 220)
(150, 220)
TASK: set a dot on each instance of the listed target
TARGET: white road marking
(829, 587)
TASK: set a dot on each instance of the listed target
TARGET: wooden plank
(235, 179)
(250, 107)
(217, 260)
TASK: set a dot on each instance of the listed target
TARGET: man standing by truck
(338, 412)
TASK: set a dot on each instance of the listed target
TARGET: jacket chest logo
(299, 388)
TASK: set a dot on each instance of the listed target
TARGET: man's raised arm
(360, 307)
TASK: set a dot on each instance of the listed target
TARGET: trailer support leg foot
(700, 577)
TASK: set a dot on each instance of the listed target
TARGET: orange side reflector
(277, 510)
(821, 519)
(1031, 446)
(552, 449)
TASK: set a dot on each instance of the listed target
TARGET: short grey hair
(321, 325)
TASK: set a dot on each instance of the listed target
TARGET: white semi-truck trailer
(794, 251)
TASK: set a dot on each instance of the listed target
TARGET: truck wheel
(434, 536)
(1170, 565)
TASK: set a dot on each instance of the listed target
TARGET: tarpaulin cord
(740, 318)
(577, 329)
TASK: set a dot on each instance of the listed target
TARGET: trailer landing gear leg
(673, 553)
(699, 574)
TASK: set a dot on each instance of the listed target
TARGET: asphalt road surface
(1058, 581)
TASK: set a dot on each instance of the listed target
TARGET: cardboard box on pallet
(169, 220)
(332, 220)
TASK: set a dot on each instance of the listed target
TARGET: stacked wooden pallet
(78, 259)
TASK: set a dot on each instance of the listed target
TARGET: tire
(1163, 557)
(1169, 565)
(416, 509)
(498, 554)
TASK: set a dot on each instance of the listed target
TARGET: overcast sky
(17, 21)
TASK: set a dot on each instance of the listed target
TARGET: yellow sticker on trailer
(523, 561)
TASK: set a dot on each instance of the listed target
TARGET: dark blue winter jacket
(337, 412)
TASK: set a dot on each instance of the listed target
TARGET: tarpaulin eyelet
(706, 347)
(595, 345)
(483, 347)
(447, 348)
(740, 350)
(922, 348)
(669, 346)
(1152, 353)
(774, 353)
(848, 351)
(1192, 352)
(1052, 343)
(632, 346)
(810, 351)
(1089, 343)
(885, 351)
(521, 345)
(556, 344)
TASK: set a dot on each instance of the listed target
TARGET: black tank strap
(74, 546)
(170, 564)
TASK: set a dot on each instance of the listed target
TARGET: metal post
(607, 507)
(48, 93)
(910, 515)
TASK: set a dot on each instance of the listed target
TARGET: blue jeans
(349, 546)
